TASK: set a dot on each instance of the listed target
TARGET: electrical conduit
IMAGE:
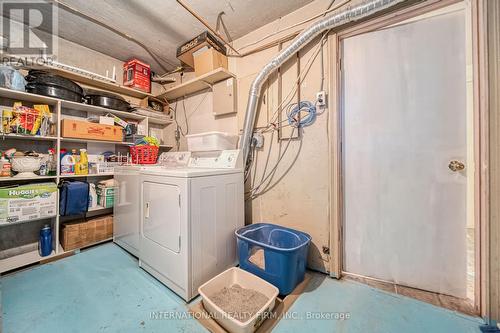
(345, 16)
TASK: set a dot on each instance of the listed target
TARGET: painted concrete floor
(104, 290)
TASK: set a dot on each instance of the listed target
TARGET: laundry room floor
(103, 290)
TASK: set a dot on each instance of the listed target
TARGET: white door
(404, 130)
(164, 239)
(162, 223)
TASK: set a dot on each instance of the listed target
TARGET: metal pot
(44, 83)
(106, 100)
(54, 91)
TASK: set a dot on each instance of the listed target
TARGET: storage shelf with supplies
(60, 109)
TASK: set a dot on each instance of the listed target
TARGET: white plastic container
(210, 141)
(247, 280)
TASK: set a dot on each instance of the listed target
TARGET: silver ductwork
(345, 16)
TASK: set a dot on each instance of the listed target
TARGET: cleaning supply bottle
(68, 165)
(52, 164)
(92, 196)
(45, 241)
(82, 166)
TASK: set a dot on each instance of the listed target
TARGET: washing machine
(126, 211)
(188, 219)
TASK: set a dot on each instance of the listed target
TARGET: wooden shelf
(159, 121)
(6, 179)
(27, 221)
(40, 99)
(99, 84)
(197, 84)
(99, 110)
(27, 137)
(23, 259)
(96, 141)
(106, 174)
(98, 208)
(27, 97)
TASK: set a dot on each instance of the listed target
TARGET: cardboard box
(144, 103)
(85, 130)
(185, 51)
(28, 202)
(208, 60)
(137, 75)
(76, 235)
(105, 196)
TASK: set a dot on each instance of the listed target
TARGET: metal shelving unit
(61, 108)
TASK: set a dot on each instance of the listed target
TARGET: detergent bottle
(68, 164)
(82, 166)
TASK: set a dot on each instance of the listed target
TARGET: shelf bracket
(209, 85)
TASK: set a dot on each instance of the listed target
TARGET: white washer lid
(188, 172)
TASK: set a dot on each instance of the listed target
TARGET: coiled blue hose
(304, 106)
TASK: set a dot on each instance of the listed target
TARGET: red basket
(144, 154)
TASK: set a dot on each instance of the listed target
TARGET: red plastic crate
(144, 154)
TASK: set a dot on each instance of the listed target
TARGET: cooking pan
(48, 84)
(54, 91)
(106, 100)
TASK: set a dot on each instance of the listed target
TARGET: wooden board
(197, 84)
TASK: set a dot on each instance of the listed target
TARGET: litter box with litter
(238, 300)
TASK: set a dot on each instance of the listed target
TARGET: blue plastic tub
(274, 253)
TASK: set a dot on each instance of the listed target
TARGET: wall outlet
(321, 99)
(258, 140)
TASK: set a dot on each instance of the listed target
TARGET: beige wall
(299, 193)
(301, 198)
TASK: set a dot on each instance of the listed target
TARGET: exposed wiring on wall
(294, 114)
(255, 190)
(273, 122)
(291, 109)
(179, 131)
(271, 183)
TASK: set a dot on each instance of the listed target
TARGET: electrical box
(224, 97)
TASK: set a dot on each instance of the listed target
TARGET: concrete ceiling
(162, 25)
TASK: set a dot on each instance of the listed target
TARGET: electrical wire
(293, 115)
(254, 190)
(328, 10)
(185, 131)
(185, 115)
(274, 123)
(292, 110)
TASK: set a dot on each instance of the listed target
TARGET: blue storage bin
(283, 250)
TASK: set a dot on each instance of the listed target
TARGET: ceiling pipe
(348, 15)
(212, 30)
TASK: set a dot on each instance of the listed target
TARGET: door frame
(480, 136)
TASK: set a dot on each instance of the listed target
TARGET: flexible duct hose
(345, 16)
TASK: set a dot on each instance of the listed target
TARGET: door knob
(456, 166)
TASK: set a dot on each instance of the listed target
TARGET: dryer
(126, 211)
(188, 219)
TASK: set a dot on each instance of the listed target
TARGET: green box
(106, 196)
(27, 202)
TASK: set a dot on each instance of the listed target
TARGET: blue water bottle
(45, 241)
